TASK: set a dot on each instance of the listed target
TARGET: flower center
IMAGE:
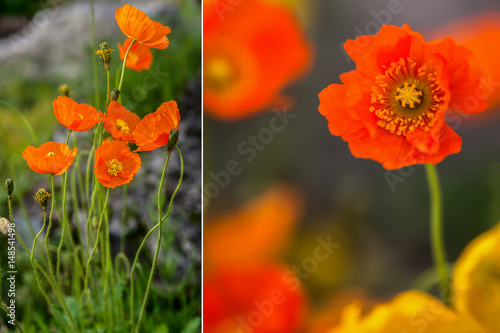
(122, 126)
(408, 95)
(406, 98)
(79, 115)
(50, 153)
(114, 167)
(218, 73)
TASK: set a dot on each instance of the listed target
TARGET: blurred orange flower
(115, 164)
(247, 62)
(154, 129)
(477, 33)
(264, 299)
(391, 108)
(77, 117)
(50, 157)
(256, 232)
(120, 122)
(139, 56)
(245, 286)
(135, 24)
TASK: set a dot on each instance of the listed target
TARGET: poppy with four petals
(135, 24)
(139, 56)
(120, 122)
(154, 129)
(115, 164)
(77, 117)
(50, 157)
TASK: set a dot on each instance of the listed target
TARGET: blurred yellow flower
(409, 312)
(476, 280)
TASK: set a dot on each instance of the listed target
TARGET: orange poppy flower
(391, 108)
(50, 157)
(247, 62)
(139, 56)
(137, 25)
(115, 164)
(477, 33)
(264, 299)
(119, 122)
(77, 117)
(255, 232)
(154, 129)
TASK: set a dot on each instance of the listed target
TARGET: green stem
(87, 271)
(160, 232)
(123, 66)
(38, 234)
(436, 217)
(94, 58)
(124, 217)
(51, 272)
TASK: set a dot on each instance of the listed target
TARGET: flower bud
(114, 94)
(105, 54)
(172, 139)
(42, 197)
(9, 186)
(64, 89)
(4, 225)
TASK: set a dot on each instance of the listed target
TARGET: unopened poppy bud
(105, 54)
(114, 94)
(172, 139)
(4, 225)
(64, 89)
(42, 197)
(9, 187)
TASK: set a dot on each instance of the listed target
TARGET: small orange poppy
(115, 164)
(120, 122)
(135, 24)
(391, 108)
(154, 129)
(139, 56)
(50, 157)
(247, 62)
(77, 117)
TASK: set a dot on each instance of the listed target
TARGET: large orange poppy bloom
(77, 117)
(247, 62)
(135, 24)
(391, 108)
(50, 157)
(119, 122)
(115, 164)
(139, 56)
(154, 129)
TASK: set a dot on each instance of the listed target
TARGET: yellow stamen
(79, 115)
(218, 73)
(114, 167)
(50, 153)
(122, 126)
(408, 95)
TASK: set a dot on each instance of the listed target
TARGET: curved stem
(436, 217)
(160, 232)
(123, 66)
(41, 230)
